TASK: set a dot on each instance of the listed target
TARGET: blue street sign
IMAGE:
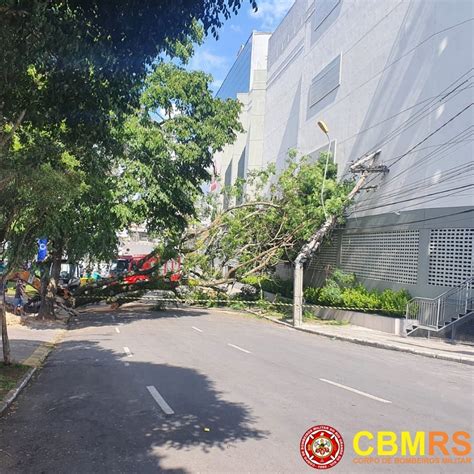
(42, 249)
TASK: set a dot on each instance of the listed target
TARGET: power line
(449, 175)
(403, 56)
(425, 184)
(454, 117)
(416, 118)
(397, 224)
(415, 198)
(429, 99)
(438, 153)
(450, 145)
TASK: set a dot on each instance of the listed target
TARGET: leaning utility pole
(363, 166)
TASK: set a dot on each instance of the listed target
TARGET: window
(323, 9)
(325, 82)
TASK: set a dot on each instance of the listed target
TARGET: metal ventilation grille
(451, 256)
(385, 256)
(327, 257)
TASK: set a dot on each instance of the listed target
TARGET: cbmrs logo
(420, 443)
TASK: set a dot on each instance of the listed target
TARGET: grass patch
(309, 317)
(10, 376)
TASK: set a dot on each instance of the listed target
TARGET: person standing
(18, 301)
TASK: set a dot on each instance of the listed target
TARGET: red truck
(126, 265)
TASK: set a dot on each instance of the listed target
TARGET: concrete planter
(372, 321)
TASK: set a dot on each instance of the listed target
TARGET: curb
(14, 392)
(379, 345)
(35, 360)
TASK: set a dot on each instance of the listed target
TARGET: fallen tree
(271, 218)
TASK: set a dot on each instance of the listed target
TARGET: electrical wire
(398, 224)
(410, 121)
(449, 175)
(416, 197)
(461, 138)
(441, 94)
(454, 117)
(428, 38)
(432, 156)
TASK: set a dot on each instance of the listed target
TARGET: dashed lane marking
(354, 390)
(239, 348)
(167, 410)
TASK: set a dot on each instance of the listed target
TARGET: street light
(325, 130)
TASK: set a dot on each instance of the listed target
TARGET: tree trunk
(49, 286)
(3, 317)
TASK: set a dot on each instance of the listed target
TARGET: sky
(217, 56)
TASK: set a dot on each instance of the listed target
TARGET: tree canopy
(277, 214)
(82, 153)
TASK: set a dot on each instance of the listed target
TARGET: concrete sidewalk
(434, 348)
(30, 345)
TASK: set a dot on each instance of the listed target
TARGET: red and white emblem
(322, 447)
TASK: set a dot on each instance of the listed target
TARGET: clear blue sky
(217, 56)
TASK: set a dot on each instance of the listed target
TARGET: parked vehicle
(70, 275)
(126, 266)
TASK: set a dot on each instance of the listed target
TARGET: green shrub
(343, 279)
(360, 297)
(394, 302)
(330, 294)
(342, 289)
(311, 295)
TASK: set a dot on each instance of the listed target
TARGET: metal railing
(435, 313)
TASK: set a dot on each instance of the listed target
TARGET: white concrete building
(245, 81)
(390, 75)
(394, 75)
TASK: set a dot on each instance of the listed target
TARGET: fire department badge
(322, 447)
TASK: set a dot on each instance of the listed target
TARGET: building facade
(246, 82)
(394, 76)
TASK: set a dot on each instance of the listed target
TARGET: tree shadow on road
(89, 410)
(105, 316)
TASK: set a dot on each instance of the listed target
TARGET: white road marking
(239, 348)
(365, 394)
(127, 364)
(196, 329)
(160, 400)
(117, 330)
(113, 318)
(127, 351)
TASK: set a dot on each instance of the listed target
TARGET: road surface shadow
(105, 316)
(89, 410)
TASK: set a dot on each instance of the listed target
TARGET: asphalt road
(212, 391)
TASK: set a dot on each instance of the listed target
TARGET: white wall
(397, 59)
(250, 141)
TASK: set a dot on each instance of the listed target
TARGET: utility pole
(364, 166)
